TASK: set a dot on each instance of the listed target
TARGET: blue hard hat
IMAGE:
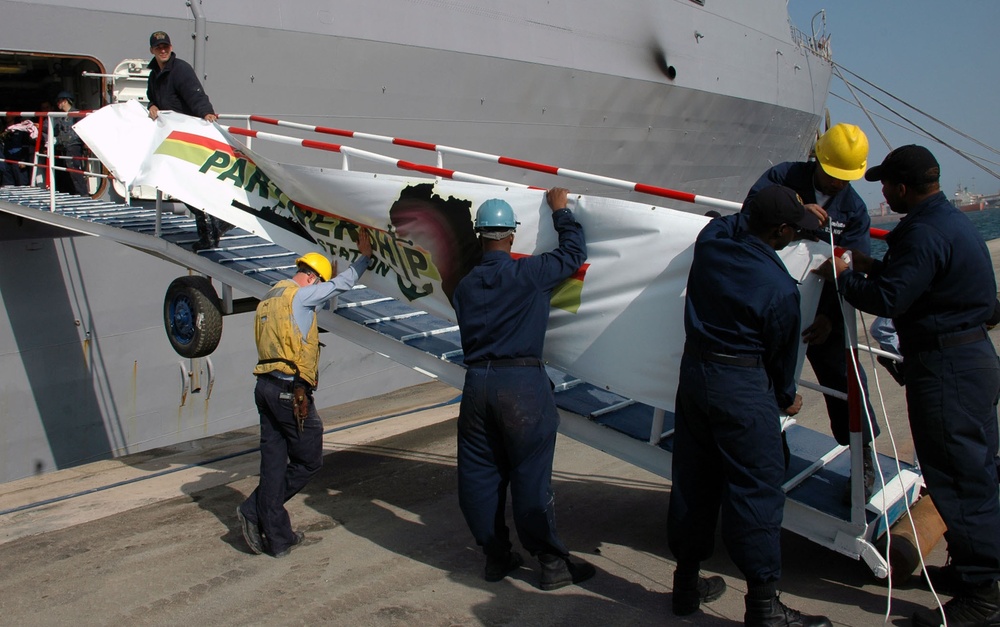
(64, 94)
(495, 214)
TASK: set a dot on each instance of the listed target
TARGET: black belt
(513, 362)
(744, 361)
(945, 340)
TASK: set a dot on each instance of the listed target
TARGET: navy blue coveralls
(848, 217)
(936, 282)
(737, 374)
(508, 420)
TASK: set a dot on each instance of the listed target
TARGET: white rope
(878, 465)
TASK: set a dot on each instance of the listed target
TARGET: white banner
(617, 324)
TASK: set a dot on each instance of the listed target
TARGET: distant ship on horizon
(965, 200)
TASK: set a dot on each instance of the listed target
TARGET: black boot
(558, 571)
(690, 591)
(499, 566)
(773, 613)
(973, 607)
(222, 227)
(205, 233)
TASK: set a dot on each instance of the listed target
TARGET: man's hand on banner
(364, 242)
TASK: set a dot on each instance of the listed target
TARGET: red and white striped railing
(440, 150)
(370, 156)
(509, 161)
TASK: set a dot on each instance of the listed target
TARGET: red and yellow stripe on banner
(194, 149)
(567, 295)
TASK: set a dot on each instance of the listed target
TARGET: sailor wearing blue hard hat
(508, 419)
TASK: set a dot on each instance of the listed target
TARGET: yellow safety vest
(280, 346)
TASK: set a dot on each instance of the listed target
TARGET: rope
(895, 451)
(926, 133)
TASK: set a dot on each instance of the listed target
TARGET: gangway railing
(50, 156)
(510, 161)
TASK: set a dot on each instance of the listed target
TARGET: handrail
(482, 156)
(437, 171)
(370, 156)
(50, 156)
(517, 163)
(46, 114)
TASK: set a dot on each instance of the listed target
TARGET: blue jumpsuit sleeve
(552, 268)
(782, 342)
(891, 288)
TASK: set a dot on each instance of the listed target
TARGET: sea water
(987, 222)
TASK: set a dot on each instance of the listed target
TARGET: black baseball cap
(777, 205)
(910, 165)
(157, 38)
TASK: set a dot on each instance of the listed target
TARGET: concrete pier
(152, 539)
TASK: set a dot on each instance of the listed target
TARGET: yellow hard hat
(318, 264)
(842, 151)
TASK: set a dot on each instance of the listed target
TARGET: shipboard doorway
(30, 82)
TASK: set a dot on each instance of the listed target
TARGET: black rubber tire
(192, 316)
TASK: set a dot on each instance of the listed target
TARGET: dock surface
(152, 539)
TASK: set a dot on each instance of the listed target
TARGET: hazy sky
(938, 56)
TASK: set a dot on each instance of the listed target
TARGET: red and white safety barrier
(509, 161)
(370, 156)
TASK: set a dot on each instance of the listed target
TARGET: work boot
(251, 533)
(499, 567)
(773, 613)
(222, 227)
(296, 541)
(205, 234)
(690, 593)
(973, 607)
(558, 571)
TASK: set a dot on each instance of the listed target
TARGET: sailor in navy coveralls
(825, 188)
(936, 282)
(508, 420)
(742, 321)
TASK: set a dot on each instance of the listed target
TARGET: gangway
(632, 431)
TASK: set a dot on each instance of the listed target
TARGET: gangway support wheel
(192, 316)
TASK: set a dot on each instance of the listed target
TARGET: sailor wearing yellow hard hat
(291, 432)
(825, 188)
